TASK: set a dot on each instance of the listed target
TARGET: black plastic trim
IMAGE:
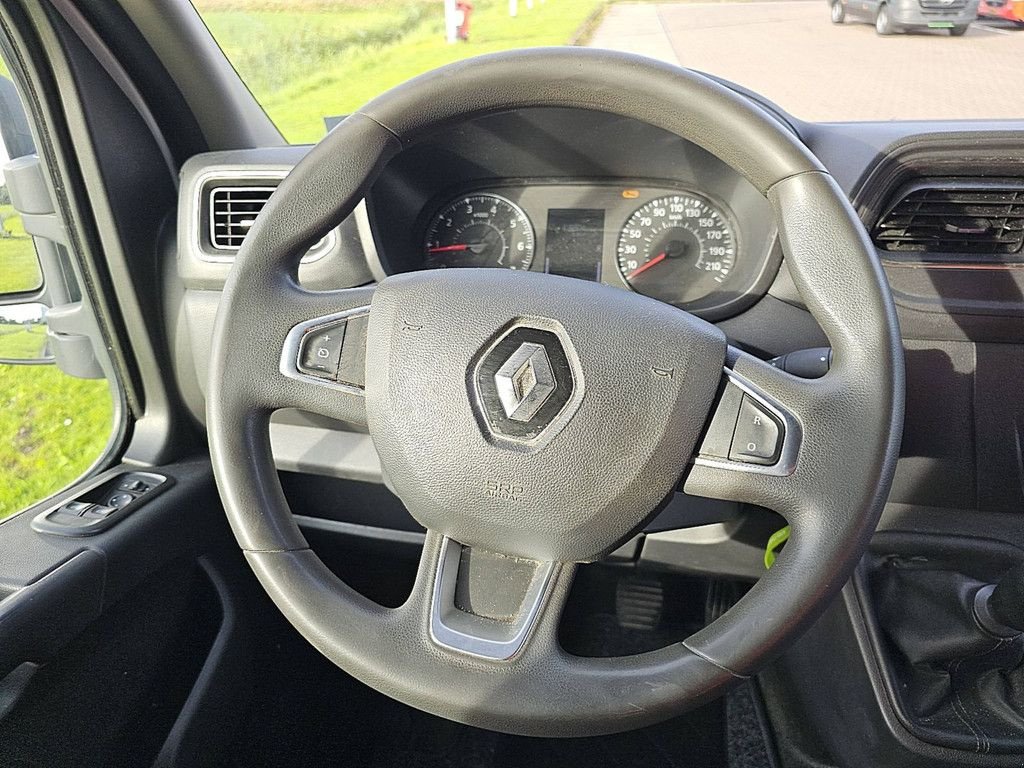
(203, 729)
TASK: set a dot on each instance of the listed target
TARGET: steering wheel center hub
(540, 416)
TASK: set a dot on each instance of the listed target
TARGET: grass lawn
(308, 59)
(18, 342)
(19, 267)
(52, 428)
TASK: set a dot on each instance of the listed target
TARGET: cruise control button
(320, 351)
(353, 358)
(757, 438)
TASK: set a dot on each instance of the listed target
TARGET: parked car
(1008, 10)
(890, 17)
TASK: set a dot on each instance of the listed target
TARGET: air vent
(955, 216)
(233, 210)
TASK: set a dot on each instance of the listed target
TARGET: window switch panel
(101, 505)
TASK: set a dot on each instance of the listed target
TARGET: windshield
(307, 61)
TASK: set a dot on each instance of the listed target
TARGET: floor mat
(308, 713)
(745, 737)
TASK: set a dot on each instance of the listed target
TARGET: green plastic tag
(775, 541)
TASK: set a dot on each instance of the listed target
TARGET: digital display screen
(575, 242)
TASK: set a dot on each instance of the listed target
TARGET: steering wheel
(532, 422)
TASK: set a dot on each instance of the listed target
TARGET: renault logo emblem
(524, 386)
(525, 382)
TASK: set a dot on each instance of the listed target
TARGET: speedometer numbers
(677, 248)
(480, 231)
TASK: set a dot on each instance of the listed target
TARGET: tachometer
(677, 248)
(482, 230)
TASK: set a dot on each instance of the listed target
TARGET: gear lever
(999, 608)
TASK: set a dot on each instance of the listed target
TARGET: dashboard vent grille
(233, 210)
(955, 216)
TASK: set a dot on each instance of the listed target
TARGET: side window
(21, 272)
(56, 406)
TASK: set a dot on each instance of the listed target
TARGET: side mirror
(23, 335)
(14, 122)
(20, 270)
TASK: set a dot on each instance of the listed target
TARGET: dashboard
(573, 193)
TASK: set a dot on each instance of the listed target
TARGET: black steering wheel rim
(849, 421)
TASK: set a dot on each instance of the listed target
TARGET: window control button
(75, 507)
(68, 519)
(97, 512)
(133, 484)
(757, 438)
(320, 351)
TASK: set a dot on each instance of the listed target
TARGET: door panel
(110, 644)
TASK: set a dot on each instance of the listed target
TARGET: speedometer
(677, 248)
(482, 230)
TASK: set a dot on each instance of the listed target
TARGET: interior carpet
(308, 713)
(745, 732)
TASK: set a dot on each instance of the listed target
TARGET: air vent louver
(233, 210)
(955, 216)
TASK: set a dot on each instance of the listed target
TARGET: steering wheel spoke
(489, 605)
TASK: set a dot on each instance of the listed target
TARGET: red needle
(442, 248)
(644, 267)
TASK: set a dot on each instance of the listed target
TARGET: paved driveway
(790, 52)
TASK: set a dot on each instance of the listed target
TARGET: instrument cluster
(678, 245)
